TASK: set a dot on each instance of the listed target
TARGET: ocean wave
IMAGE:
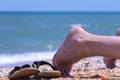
(25, 57)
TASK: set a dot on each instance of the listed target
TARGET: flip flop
(22, 72)
(46, 72)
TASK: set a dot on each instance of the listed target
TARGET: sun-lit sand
(91, 68)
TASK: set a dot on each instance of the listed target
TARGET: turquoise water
(37, 36)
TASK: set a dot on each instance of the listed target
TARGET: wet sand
(91, 68)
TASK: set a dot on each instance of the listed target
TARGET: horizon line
(59, 11)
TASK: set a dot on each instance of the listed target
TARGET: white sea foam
(26, 57)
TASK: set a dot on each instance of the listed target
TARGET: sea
(26, 37)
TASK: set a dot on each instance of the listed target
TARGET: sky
(60, 5)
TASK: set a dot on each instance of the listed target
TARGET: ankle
(65, 70)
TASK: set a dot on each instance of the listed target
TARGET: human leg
(110, 62)
(80, 44)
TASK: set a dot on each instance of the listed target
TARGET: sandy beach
(91, 68)
(31, 36)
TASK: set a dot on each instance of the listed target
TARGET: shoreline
(86, 62)
(11, 65)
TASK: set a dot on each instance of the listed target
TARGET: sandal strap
(36, 64)
(16, 68)
(25, 66)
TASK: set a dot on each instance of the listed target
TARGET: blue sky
(60, 5)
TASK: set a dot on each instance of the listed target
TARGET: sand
(91, 68)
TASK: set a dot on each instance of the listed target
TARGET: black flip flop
(45, 73)
(22, 72)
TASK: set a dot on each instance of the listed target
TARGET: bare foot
(110, 62)
(72, 50)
